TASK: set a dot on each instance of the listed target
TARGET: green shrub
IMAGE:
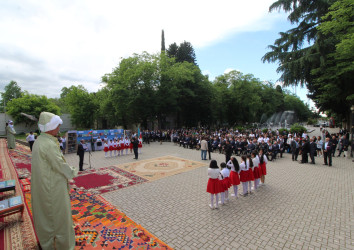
(265, 130)
(297, 128)
(283, 131)
(311, 121)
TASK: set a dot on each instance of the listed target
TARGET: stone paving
(302, 206)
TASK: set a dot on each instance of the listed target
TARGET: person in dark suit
(228, 151)
(135, 143)
(305, 149)
(327, 152)
(313, 148)
(81, 153)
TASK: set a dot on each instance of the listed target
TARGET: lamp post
(352, 128)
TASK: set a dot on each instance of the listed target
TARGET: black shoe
(329, 165)
(325, 164)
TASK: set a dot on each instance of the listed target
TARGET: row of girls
(118, 146)
(251, 169)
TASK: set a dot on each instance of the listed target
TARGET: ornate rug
(13, 233)
(98, 181)
(157, 168)
(99, 225)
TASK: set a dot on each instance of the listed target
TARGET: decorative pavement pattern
(160, 167)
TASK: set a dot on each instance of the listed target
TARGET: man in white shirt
(30, 139)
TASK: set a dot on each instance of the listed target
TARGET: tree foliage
(81, 105)
(318, 52)
(12, 91)
(182, 53)
(32, 105)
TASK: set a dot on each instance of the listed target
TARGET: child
(262, 165)
(213, 186)
(256, 170)
(121, 146)
(250, 173)
(140, 144)
(234, 174)
(105, 148)
(115, 147)
(110, 147)
(225, 172)
(126, 145)
(244, 174)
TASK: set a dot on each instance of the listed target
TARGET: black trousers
(136, 152)
(31, 144)
(312, 156)
(294, 154)
(329, 156)
(81, 163)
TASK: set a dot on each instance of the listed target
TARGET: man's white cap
(48, 121)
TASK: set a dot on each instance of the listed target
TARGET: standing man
(327, 152)
(203, 148)
(51, 208)
(10, 131)
(228, 150)
(30, 139)
(135, 143)
(313, 149)
(294, 149)
(81, 153)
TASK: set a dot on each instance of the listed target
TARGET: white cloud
(57, 43)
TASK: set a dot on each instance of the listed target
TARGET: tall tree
(12, 91)
(80, 104)
(172, 50)
(163, 48)
(185, 53)
(307, 54)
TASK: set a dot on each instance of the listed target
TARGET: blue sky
(48, 45)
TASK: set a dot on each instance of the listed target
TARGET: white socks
(235, 190)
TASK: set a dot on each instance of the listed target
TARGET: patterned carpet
(98, 181)
(157, 168)
(13, 233)
(99, 225)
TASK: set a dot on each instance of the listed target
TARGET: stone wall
(22, 128)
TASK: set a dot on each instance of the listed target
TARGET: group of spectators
(273, 143)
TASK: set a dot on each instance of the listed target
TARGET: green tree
(172, 50)
(80, 104)
(12, 91)
(32, 105)
(185, 53)
(313, 54)
(132, 89)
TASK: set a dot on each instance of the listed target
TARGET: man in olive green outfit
(10, 131)
(50, 189)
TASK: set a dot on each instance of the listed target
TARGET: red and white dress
(250, 171)
(106, 148)
(263, 166)
(244, 173)
(256, 169)
(214, 184)
(110, 145)
(234, 176)
(226, 183)
(140, 143)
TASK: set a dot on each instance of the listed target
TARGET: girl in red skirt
(244, 178)
(140, 145)
(234, 174)
(225, 182)
(262, 165)
(250, 173)
(105, 148)
(214, 185)
(110, 147)
(256, 169)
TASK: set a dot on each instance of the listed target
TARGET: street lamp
(352, 128)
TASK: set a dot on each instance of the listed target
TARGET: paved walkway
(302, 206)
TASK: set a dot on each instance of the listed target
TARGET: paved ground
(302, 206)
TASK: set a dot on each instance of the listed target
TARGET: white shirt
(225, 172)
(255, 161)
(30, 137)
(213, 173)
(243, 166)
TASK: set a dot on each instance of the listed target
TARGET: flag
(138, 132)
(89, 133)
